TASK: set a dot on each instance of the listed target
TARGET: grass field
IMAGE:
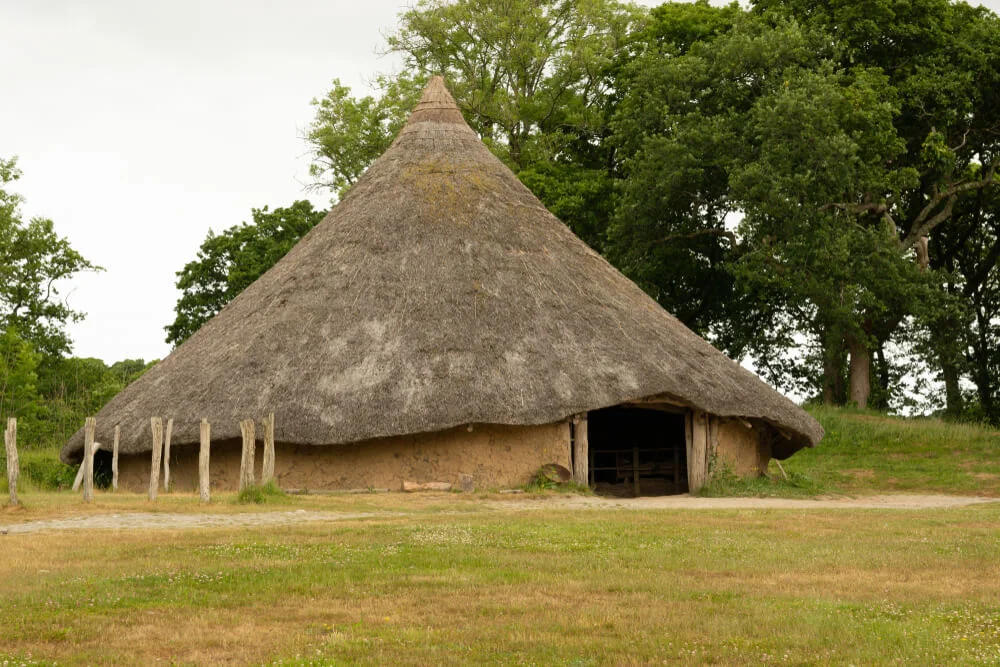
(484, 579)
(480, 580)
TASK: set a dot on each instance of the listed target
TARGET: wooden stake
(166, 454)
(203, 456)
(581, 450)
(267, 473)
(781, 469)
(13, 468)
(78, 480)
(156, 423)
(114, 459)
(246, 461)
(88, 459)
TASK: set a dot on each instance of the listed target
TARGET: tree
(348, 134)
(941, 59)
(18, 377)
(965, 339)
(668, 232)
(529, 75)
(228, 262)
(840, 155)
(33, 260)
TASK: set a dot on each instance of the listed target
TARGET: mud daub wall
(495, 456)
(744, 447)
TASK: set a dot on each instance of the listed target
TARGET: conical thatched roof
(439, 292)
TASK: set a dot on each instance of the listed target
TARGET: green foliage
(44, 471)
(70, 390)
(840, 133)
(228, 262)
(18, 377)
(528, 75)
(250, 495)
(260, 493)
(348, 134)
(33, 261)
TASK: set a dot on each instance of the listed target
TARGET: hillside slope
(868, 452)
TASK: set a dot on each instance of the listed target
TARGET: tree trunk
(861, 373)
(882, 370)
(982, 373)
(833, 370)
(955, 404)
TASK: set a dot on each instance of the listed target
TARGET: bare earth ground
(165, 520)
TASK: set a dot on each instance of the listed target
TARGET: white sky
(140, 125)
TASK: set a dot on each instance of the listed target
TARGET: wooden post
(166, 454)
(13, 468)
(156, 423)
(88, 459)
(581, 450)
(203, 456)
(246, 461)
(698, 452)
(78, 480)
(267, 472)
(114, 459)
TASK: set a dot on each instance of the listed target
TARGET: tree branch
(693, 235)
(925, 222)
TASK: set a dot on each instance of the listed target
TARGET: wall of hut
(495, 456)
(743, 447)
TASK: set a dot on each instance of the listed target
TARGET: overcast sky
(140, 125)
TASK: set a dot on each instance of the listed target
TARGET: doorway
(637, 451)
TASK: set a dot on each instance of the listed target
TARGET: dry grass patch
(483, 584)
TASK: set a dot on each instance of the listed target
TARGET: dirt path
(897, 502)
(162, 520)
(178, 521)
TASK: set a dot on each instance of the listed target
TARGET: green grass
(41, 470)
(723, 483)
(259, 494)
(488, 583)
(866, 452)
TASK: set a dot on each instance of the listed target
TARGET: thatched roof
(439, 292)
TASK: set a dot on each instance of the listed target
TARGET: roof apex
(437, 105)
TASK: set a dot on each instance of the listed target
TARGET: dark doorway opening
(102, 469)
(637, 451)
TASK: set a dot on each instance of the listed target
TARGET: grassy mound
(868, 452)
